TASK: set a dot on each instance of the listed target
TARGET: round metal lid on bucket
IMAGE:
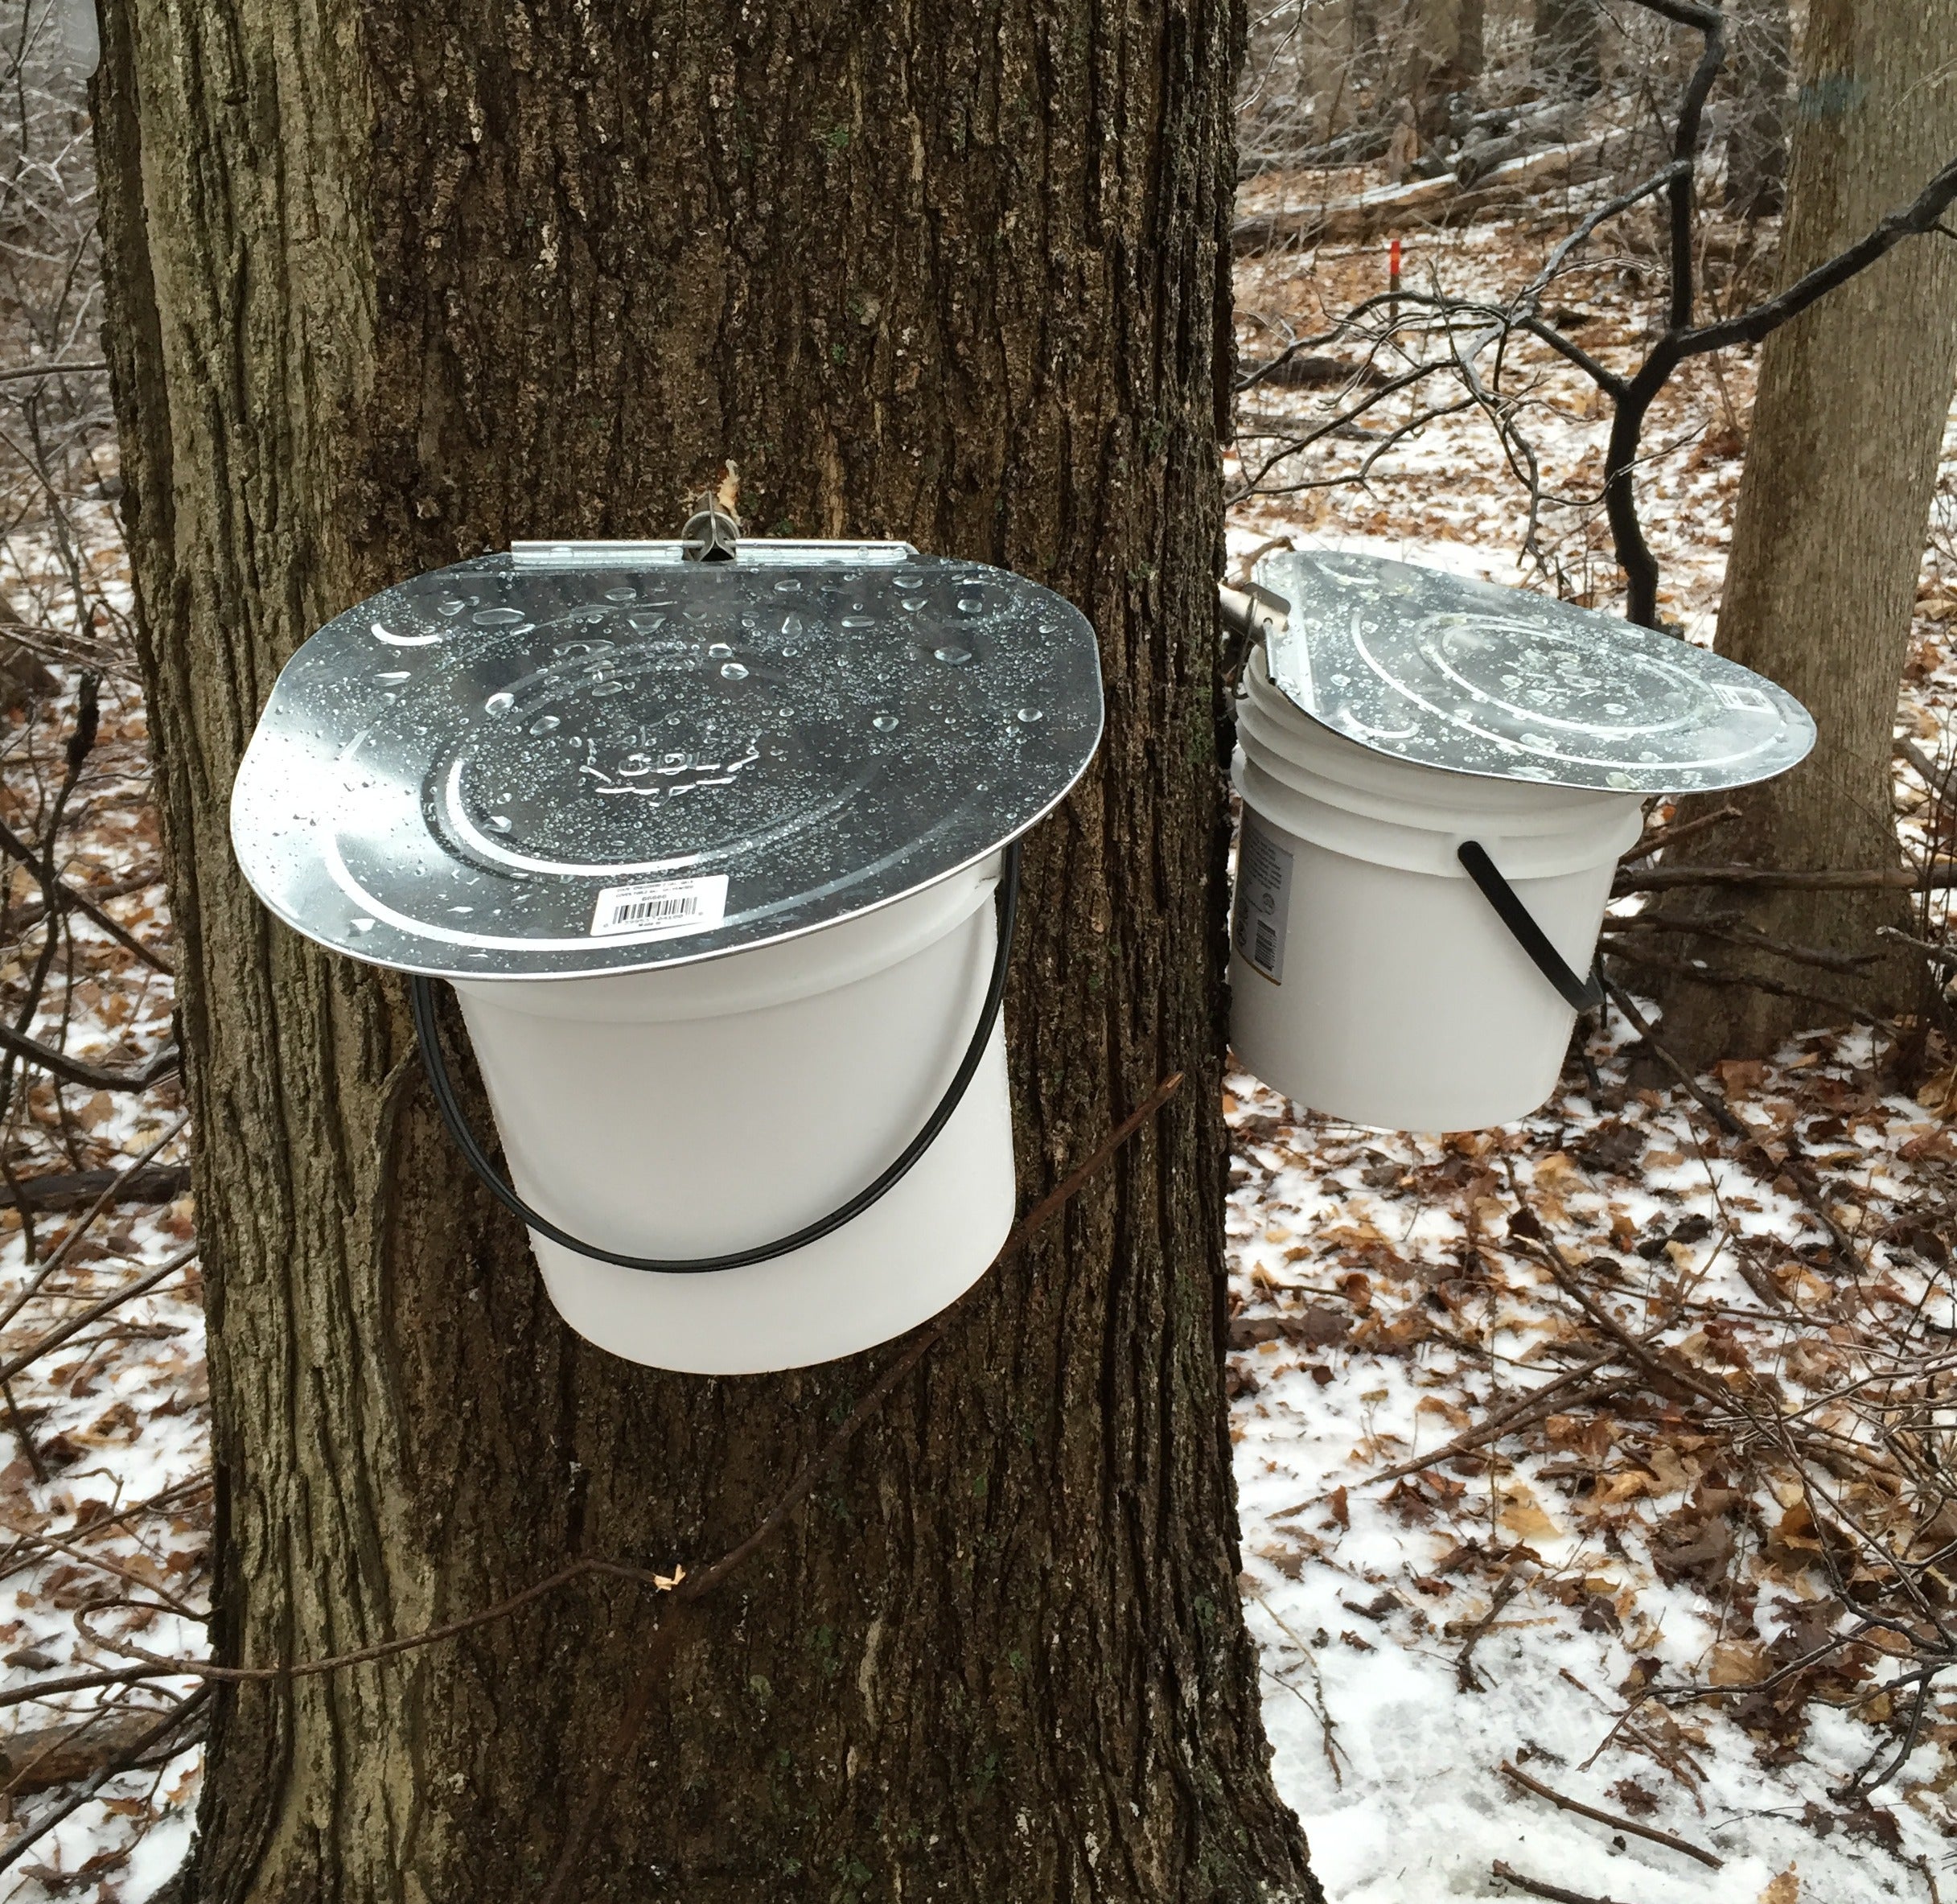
(1473, 678)
(587, 758)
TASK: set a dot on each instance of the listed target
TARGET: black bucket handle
(1580, 994)
(421, 999)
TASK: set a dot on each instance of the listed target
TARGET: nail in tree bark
(1827, 540)
(393, 285)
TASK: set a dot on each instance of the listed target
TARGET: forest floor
(1564, 1448)
(1555, 1460)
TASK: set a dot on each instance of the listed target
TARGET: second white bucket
(1371, 979)
(702, 1109)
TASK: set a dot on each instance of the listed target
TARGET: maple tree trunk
(1828, 537)
(393, 285)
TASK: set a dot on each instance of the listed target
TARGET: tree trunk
(1445, 57)
(1828, 541)
(1567, 49)
(1763, 69)
(393, 285)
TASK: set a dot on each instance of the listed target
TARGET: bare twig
(1521, 1777)
(93, 1077)
(68, 1244)
(1467, 1679)
(41, 370)
(1537, 1888)
(1934, 878)
(170, 1724)
(75, 1324)
(1661, 838)
(1567, 1390)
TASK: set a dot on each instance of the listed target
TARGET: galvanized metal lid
(586, 757)
(1476, 679)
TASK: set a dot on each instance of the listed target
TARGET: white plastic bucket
(1371, 979)
(702, 1109)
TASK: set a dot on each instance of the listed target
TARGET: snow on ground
(1594, 1567)
(1556, 1597)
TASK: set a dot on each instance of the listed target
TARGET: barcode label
(661, 908)
(1737, 696)
(1263, 909)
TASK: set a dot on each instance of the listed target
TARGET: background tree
(1762, 64)
(1568, 45)
(1448, 51)
(1827, 540)
(391, 285)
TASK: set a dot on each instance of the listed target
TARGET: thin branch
(1521, 1777)
(171, 1723)
(61, 895)
(1914, 220)
(67, 1246)
(93, 1077)
(41, 370)
(1535, 1886)
(1722, 1114)
(74, 1326)
(1789, 879)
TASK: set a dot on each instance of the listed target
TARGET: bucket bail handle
(427, 1036)
(1579, 994)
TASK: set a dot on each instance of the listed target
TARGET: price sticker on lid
(661, 908)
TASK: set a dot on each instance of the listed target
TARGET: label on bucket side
(661, 908)
(1264, 900)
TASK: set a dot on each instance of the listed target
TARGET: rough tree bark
(1763, 69)
(1827, 540)
(393, 285)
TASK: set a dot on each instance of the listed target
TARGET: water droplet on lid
(912, 603)
(398, 674)
(500, 704)
(545, 724)
(363, 925)
(884, 723)
(1030, 714)
(956, 656)
(733, 671)
(607, 687)
(859, 621)
(791, 624)
(788, 585)
(621, 594)
(498, 823)
(461, 909)
(908, 578)
(720, 650)
(970, 604)
(496, 617)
